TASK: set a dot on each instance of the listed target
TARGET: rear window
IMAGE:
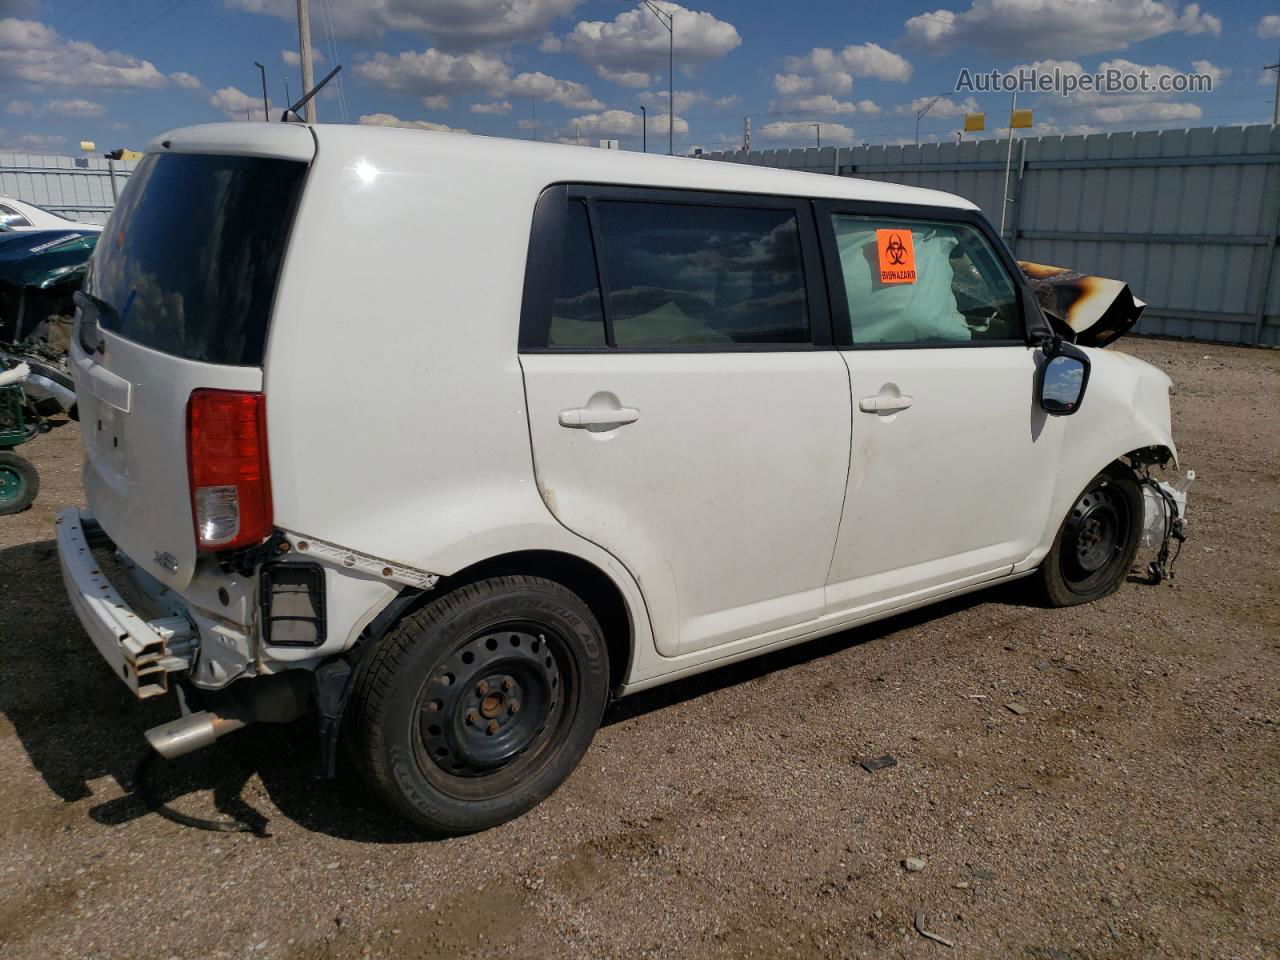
(192, 253)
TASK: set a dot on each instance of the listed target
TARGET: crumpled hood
(41, 258)
(1084, 309)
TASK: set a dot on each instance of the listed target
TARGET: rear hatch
(178, 297)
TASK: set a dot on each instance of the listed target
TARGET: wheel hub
(1094, 532)
(489, 701)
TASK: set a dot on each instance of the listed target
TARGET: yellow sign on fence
(1020, 118)
(974, 122)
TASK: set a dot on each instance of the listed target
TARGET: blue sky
(120, 71)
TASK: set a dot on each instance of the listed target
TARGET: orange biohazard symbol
(897, 256)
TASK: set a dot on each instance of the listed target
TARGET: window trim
(546, 243)
(1033, 325)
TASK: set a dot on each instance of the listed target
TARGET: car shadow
(78, 724)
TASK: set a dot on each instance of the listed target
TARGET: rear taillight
(227, 464)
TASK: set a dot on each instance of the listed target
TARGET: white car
(20, 215)
(451, 439)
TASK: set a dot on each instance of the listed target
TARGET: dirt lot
(1130, 812)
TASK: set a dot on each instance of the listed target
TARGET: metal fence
(1189, 218)
(82, 188)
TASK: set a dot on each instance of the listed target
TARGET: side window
(680, 274)
(577, 315)
(10, 217)
(921, 281)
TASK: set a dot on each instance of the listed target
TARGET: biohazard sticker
(897, 256)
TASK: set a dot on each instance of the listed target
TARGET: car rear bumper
(141, 653)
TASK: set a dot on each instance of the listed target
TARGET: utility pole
(644, 129)
(266, 110)
(746, 134)
(304, 52)
(668, 20)
(1008, 159)
(818, 127)
(921, 112)
(577, 134)
(1275, 114)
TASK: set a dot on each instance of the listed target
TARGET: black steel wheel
(1097, 541)
(477, 706)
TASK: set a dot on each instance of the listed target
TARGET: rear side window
(917, 282)
(192, 255)
(655, 274)
(686, 274)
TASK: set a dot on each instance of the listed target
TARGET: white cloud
(636, 40)
(944, 107)
(78, 107)
(433, 71)
(21, 108)
(1268, 27)
(185, 81)
(823, 70)
(453, 24)
(1216, 73)
(825, 103)
(390, 120)
(538, 85)
(492, 108)
(1266, 78)
(32, 143)
(806, 133)
(684, 98)
(437, 102)
(294, 59)
(34, 53)
(235, 104)
(1158, 110)
(1051, 26)
(617, 123)
(724, 103)
(625, 78)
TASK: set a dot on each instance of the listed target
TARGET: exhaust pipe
(280, 698)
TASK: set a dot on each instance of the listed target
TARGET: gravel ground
(1131, 811)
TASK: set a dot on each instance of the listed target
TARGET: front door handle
(883, 404)
(598, 416)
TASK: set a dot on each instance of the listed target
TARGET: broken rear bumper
(141, 653)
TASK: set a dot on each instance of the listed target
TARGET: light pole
(644, 129)
(1275, 115)
(921, 112)
(818, 127)
(668, 20)
(266, 110)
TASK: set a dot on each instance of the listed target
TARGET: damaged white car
(635, 418)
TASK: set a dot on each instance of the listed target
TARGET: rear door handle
(880, 404)
(598, 416)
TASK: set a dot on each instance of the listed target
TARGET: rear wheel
(479, 705)
(1097, 541)
(19, 483)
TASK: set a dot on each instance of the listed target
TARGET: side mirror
(1063, 377)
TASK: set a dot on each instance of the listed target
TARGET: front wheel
(1097, 541)
(478, 706)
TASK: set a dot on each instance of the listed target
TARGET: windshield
(190, 258)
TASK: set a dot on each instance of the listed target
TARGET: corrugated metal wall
(1189, 218)
(83, 188)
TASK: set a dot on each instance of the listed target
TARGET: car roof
(538, 164)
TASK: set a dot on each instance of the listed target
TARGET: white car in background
(19, 215)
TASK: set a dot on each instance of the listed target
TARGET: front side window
(694, 275)
(916, 282)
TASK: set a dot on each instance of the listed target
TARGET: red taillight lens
(227, 463)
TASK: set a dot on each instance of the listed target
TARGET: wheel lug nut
(514, 707)
(473, 718)
(482, 688)
(508, 683)
(493, 726)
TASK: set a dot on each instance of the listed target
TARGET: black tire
(19, 483)
(1096, 544)
(431, 724)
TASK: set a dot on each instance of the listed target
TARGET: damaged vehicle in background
(649, 416)
(40, 272)
(19, 215)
